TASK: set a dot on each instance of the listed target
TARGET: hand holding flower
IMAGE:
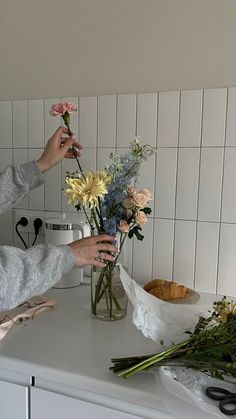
(56, 149)
(87, 251)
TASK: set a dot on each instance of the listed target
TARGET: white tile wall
(191, 234)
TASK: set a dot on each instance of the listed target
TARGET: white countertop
(66, 345)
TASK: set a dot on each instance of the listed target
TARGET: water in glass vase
(108, 297)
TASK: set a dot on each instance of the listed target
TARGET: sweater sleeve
(24, 274)
(16, 182)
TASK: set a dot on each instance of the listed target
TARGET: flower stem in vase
(109, 301)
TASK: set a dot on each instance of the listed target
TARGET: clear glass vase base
(103, 315)
(108, 297)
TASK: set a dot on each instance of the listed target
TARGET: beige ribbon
(35, 308)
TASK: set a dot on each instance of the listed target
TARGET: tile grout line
(198, 192)
(135, 134)
(155, 184)
(176, 189)
(222, 190)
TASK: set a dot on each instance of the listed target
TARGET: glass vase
(108, 297)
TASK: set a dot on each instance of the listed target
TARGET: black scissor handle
(229, 399)
(217, 393)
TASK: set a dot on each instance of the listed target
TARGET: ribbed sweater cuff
(31, 174)
(69, 258)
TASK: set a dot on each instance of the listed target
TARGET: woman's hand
(57, 148)
(92, 250)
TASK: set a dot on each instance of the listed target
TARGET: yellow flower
(87, 188)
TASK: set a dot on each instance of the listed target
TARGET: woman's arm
(24, 274)
(16, 182)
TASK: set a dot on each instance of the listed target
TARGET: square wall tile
(165, 179)
(210, 184)
(107, 121)
(168, 119)
(20, 124)
(126, 119)
(187, 183)
(88, 159)
(88, 121)
(163, 239)
(53, 188)
(103, 157)
(214, 115)
(229, 189)
(36, 123)
(142, 256)
(146, 180)
(51, 123)
(5, 158)
(231, 118)
(147, 118)
(190, 118)
(184, 252)
(206, 257)
(6, 124)
(227, 261)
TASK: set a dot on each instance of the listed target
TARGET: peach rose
(131, 191)
(139, 200)
(127, 203)
(140, 218)
(128, 213)
(123, 226)
(147, 193)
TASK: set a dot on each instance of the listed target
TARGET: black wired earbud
(22, 222)
(37, 225)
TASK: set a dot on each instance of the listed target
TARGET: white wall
(52, 48)
(191, 233)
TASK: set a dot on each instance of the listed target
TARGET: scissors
(225, 397)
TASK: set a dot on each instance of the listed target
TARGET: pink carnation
(63, 107)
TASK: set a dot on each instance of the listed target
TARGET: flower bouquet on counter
(210, 348)
(112, 205)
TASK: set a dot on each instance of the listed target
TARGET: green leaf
(135, 231)
(146, 210)
(130, 234)
(137, 234)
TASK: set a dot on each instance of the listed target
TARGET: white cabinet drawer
(13, 401)
(49, 405)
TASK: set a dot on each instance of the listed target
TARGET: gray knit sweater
(24, 274)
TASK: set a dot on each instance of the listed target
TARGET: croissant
(166, 290)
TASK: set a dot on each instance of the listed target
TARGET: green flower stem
(95, 219)
(152, 360)
(105, 288)
(116, 302)
(66, 119)
(98, 287)
(109, 281)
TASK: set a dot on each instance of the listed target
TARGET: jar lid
(58, 224)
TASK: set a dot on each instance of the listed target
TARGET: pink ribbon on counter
(31, 313)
